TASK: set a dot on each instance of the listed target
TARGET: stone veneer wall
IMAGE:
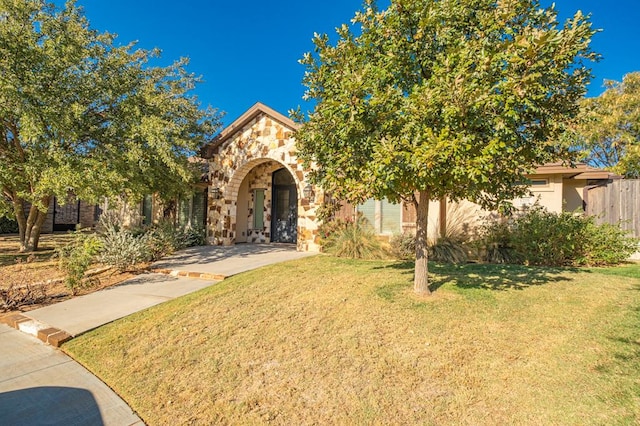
(259, 142)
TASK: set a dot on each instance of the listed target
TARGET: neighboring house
(259, 189)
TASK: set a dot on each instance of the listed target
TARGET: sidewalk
(183, 273)
(41, 385)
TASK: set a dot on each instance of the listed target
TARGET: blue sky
(247, 51)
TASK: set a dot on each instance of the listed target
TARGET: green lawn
(329, 341)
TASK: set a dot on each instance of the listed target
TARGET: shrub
(109, 219)
(539, 237)
(122, 249)
(551, 239)
(448, 250)
(161, 240)
(403, 246)
(164, 238)
(76, 257)
(354, 240)
(608, 244)
(194, 236)
(8, 225)
(496, 245)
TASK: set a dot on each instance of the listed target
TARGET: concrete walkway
(40, 385)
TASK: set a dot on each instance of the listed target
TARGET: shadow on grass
(486, 276)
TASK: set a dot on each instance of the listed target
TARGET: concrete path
(227, 261)
(81, 314)
(185, 272)
(39, 385)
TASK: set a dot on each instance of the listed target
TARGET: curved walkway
(41, 385)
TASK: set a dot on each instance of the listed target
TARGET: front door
(284, 215)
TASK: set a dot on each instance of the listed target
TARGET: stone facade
(242, 159)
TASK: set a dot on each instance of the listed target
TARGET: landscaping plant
(351, 239)
(76, 257)
(540, 237)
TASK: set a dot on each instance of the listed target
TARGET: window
(191, 210)
(539, 182)
(258, 208)
(385, 217)
(147, 209)
(534, 182)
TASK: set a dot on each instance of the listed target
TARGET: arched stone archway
(241, 166)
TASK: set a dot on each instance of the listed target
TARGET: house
(259, 190)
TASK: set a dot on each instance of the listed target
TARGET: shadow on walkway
(49, 405)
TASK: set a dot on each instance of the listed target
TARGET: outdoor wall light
(307, 191)
(215, 193)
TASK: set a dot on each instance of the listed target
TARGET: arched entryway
(246, 202)
(284, 208)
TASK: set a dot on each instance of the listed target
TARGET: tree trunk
(421, 277)
(31, 226)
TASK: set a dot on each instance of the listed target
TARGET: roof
(579, 171)
(255, 111)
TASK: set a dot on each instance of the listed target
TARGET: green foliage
(96, 117)
(76, 257)
(8, 225)
(497, 243)
(444, 249)
(164, 238)
(539, 237)
(122, 249)
(194, 236)
(442, 98)
(607, 244)
(457, 98)
(352, 239)
(545, 238)
(609, 130)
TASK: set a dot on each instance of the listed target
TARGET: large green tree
(609, 129)
(435, 98)
(80, 114)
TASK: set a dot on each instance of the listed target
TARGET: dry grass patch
(330, 341)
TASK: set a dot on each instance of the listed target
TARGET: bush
(122, 249)
(76, 257)
(539, 237)
(354, 240)
(164, 238)
(608, 245)
(161, 240)
(8, 225)
(496, 244)
(403, 246)
(192, 237)
(448, 250)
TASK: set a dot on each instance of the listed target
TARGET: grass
(331, 341)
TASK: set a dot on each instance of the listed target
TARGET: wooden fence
(617, 202)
